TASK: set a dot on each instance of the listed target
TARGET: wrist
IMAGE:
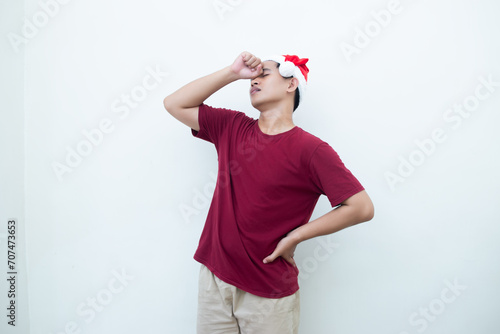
(296, 235)
(231, 75)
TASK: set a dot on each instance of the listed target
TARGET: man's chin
(255, 104)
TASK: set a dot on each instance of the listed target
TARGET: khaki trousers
(225, 309)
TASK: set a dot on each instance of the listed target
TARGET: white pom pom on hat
(293, 66)
(287, 69)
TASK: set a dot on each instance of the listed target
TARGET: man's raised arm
(183, 104)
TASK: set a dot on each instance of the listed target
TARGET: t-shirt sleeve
(212, 121)
(331, 177)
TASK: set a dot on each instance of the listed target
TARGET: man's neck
(275, 121)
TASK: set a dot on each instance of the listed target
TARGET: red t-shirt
(267, 185)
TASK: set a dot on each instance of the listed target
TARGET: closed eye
(265, 72)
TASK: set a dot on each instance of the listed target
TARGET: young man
(271, 174)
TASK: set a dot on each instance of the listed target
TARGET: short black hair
(297, 94)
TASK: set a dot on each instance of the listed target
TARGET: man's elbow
(366, 210)
(167, 103)
(361, 206)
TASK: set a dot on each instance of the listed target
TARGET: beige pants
(225, 309)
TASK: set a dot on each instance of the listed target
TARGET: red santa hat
(293, 66)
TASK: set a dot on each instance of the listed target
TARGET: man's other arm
(354, 210)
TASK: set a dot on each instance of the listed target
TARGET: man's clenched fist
(247, 66)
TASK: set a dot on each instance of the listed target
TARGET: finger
(258, 62)
(252, 61)
(255, 62)
(256, 71)
(245, 55)
(270, 258)
(290, 260)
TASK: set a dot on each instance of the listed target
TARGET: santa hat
(293, 66)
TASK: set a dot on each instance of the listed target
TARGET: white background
(120, 209)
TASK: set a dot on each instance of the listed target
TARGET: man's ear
(293, 84)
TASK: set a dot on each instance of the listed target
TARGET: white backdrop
(117, 191)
